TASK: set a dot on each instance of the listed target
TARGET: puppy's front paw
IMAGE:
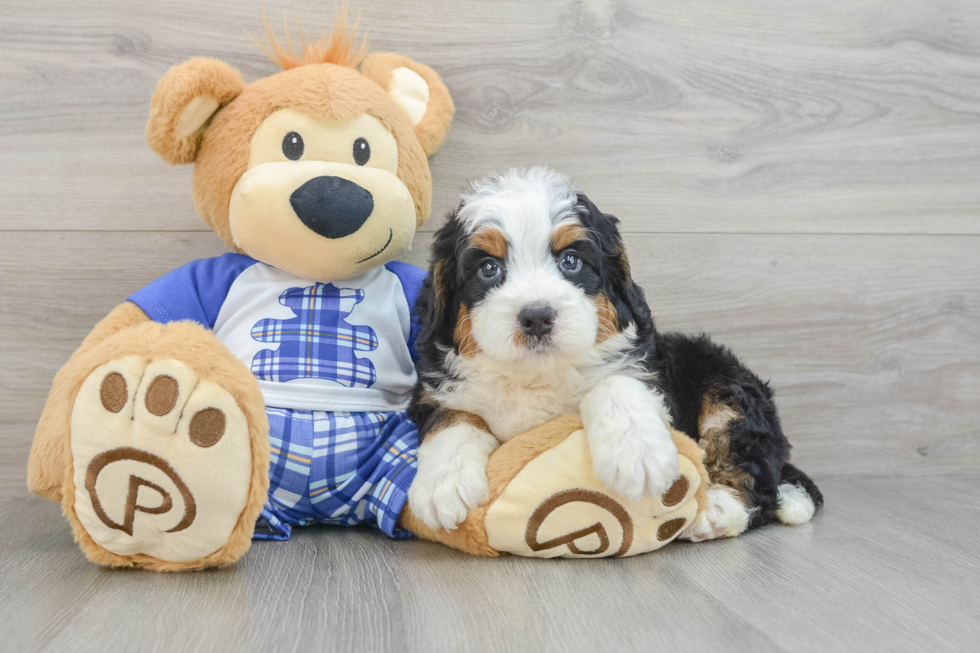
(444, 500)
(634, 459)
(450, 482)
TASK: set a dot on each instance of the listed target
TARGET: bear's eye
(292, 146)
(362, 151)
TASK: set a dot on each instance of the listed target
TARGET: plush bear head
(320, 170)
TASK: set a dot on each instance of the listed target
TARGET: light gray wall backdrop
(805, 190)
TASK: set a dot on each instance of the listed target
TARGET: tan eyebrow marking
(567, 234)
(491, 241)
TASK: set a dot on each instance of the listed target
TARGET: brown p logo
(565, 497)
(99, 462)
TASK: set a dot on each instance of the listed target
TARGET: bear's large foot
(162, 466)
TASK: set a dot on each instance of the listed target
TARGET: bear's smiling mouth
(391, 235)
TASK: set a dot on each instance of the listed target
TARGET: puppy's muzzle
(332, 207)
(537, 320)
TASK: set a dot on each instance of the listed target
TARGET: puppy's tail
(799, 496)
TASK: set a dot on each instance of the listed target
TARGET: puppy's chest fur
(511, 404)
(512, 400)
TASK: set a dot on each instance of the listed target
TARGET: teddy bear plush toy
(241, 396)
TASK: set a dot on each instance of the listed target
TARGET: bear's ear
(183, 103)
(418, 90)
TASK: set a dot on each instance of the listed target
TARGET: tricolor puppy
(530, 312)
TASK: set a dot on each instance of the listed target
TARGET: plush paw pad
(162, 460)
(555, 507)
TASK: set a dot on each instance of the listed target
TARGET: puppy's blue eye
(570, 263)
(489, 269)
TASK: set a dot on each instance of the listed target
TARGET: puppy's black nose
(333, 207)
(536, 320)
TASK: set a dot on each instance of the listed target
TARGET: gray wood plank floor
(802, 180)
(889, 565)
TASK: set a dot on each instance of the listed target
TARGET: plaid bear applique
(318, 342)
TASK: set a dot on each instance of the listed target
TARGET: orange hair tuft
(337, 49)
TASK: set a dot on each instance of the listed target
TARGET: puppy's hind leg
(799, 497)
(726, 516)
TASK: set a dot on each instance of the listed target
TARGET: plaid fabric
(337, 468)
(317, 343)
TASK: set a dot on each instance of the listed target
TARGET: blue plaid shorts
(337, 468)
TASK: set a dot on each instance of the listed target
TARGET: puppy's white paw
(444, 500)
(640, 459)
(726, 516)
(632, 451)
(795, 505)
(452, 476)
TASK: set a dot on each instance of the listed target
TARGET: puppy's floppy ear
(438, 303)
(627, 297)
(183, 103)
(418, 90)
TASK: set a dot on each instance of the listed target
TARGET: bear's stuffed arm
(545, 502)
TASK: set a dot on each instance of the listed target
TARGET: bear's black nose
(333, 207)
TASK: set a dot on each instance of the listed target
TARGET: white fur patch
(795, 505)
(452, 475)
(507, 199)
(726, 516)
(632, 451)
(530, 282)
(515, 396)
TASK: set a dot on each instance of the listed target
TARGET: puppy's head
(528, 270)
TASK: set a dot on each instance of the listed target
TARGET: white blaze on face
(527, 210)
